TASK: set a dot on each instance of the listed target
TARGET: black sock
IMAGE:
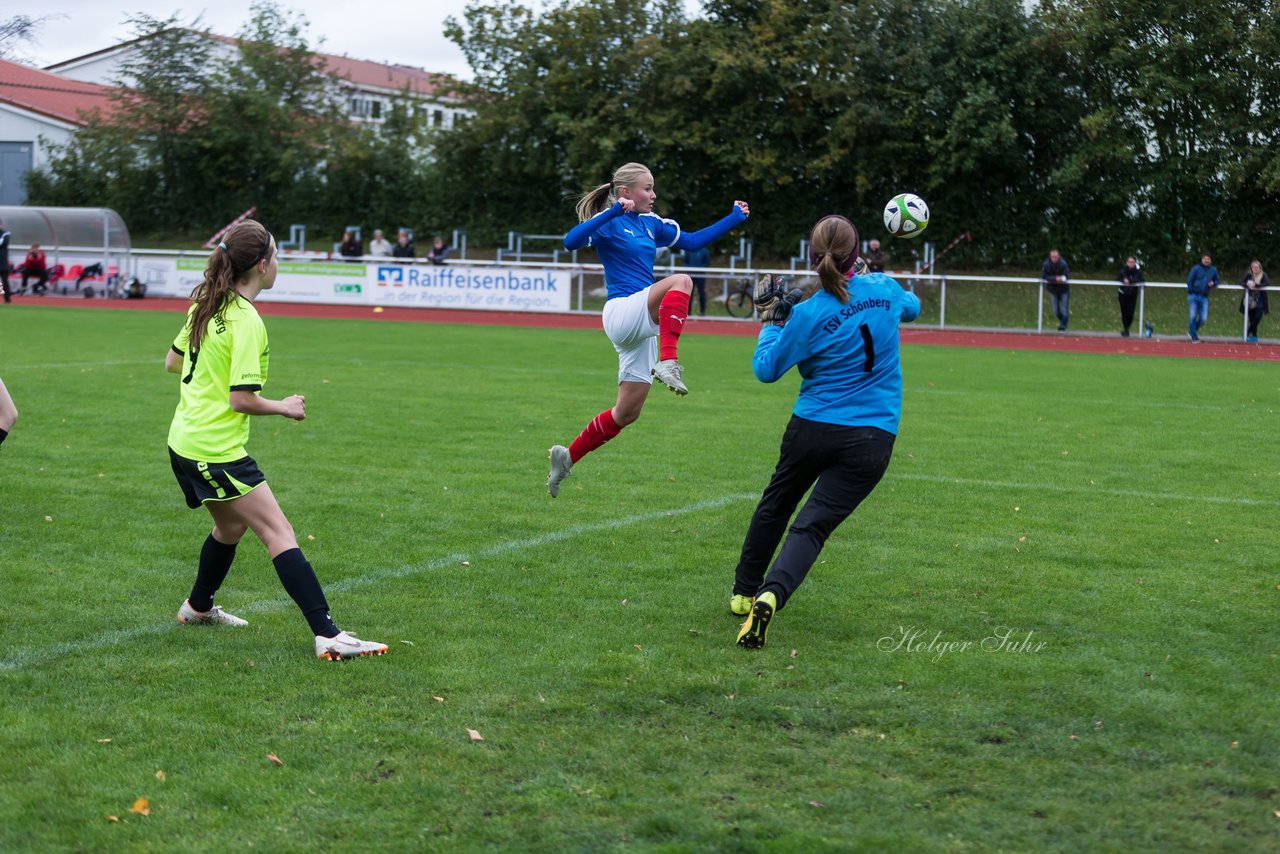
(4, 434)
(300, 582)
(215, 561)
(779, 594)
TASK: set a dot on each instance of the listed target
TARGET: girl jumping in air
(221, 353)
(618, 221)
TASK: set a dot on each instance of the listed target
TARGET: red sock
(601, 429)
(672, 312)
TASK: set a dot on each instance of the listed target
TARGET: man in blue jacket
(1057, 280)
(1202, 279)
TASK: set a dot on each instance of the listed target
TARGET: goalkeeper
(844, 342)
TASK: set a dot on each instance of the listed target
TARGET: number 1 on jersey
(868, 348)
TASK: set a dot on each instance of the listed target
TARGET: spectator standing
(439, 253)
(379, 246)
(1056, 277)
(700, 257)
(35, 265)
(404, 246)
(350, 247)
(1202, 279)
(4, 262)
(1131, 278)
(1254, 299)
(875, 257)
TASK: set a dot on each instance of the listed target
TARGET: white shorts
(634, 336)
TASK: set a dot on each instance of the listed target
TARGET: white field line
(1060, 489)
(26, 658)
(1243, 408)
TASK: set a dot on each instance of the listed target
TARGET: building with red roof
(38, 109)
(43, 107)
(371, 86)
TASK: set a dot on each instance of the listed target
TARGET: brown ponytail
(833, 249)
(240, 250)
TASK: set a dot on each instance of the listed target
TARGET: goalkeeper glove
(774, 300)
(780, 311)
(768, 292)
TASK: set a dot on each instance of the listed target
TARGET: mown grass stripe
(115, 638)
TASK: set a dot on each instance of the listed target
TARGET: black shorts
(203, 482)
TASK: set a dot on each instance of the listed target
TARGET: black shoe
(1124, 334)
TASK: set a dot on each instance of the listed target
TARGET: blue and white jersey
(627, 246)
(628, 242)
(847, 353)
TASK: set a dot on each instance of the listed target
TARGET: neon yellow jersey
(232, 357)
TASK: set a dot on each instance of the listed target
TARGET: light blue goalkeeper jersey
(847, 353)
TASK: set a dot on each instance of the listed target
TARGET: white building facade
(370, 86)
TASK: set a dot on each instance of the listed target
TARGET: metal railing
(588, 279)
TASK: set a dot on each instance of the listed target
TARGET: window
(365, 107)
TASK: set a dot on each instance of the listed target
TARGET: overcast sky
(399, 31)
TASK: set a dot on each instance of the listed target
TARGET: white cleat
(670, 374)
(214, 616)
(345, 645)
(561, 463)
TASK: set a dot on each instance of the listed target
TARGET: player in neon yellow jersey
(221, 354)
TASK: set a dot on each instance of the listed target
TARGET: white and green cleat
(561, 463)
(215, 616)
(670, 374)
(346, 645)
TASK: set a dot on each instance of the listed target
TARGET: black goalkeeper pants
(843, 465)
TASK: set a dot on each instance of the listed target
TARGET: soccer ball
(906, 215)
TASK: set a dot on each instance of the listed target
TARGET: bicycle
(741, 302)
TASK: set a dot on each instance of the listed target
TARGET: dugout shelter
(72, 238)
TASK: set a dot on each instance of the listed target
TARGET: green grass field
(1112, 517)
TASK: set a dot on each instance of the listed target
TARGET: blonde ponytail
(594, 201)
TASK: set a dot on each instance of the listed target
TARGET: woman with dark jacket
(1254, 298)
(350, 247)
(1131, 278)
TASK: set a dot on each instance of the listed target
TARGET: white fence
(550, 287)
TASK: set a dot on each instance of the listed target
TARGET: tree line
(1102, 127)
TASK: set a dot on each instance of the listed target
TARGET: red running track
(1056, 341)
